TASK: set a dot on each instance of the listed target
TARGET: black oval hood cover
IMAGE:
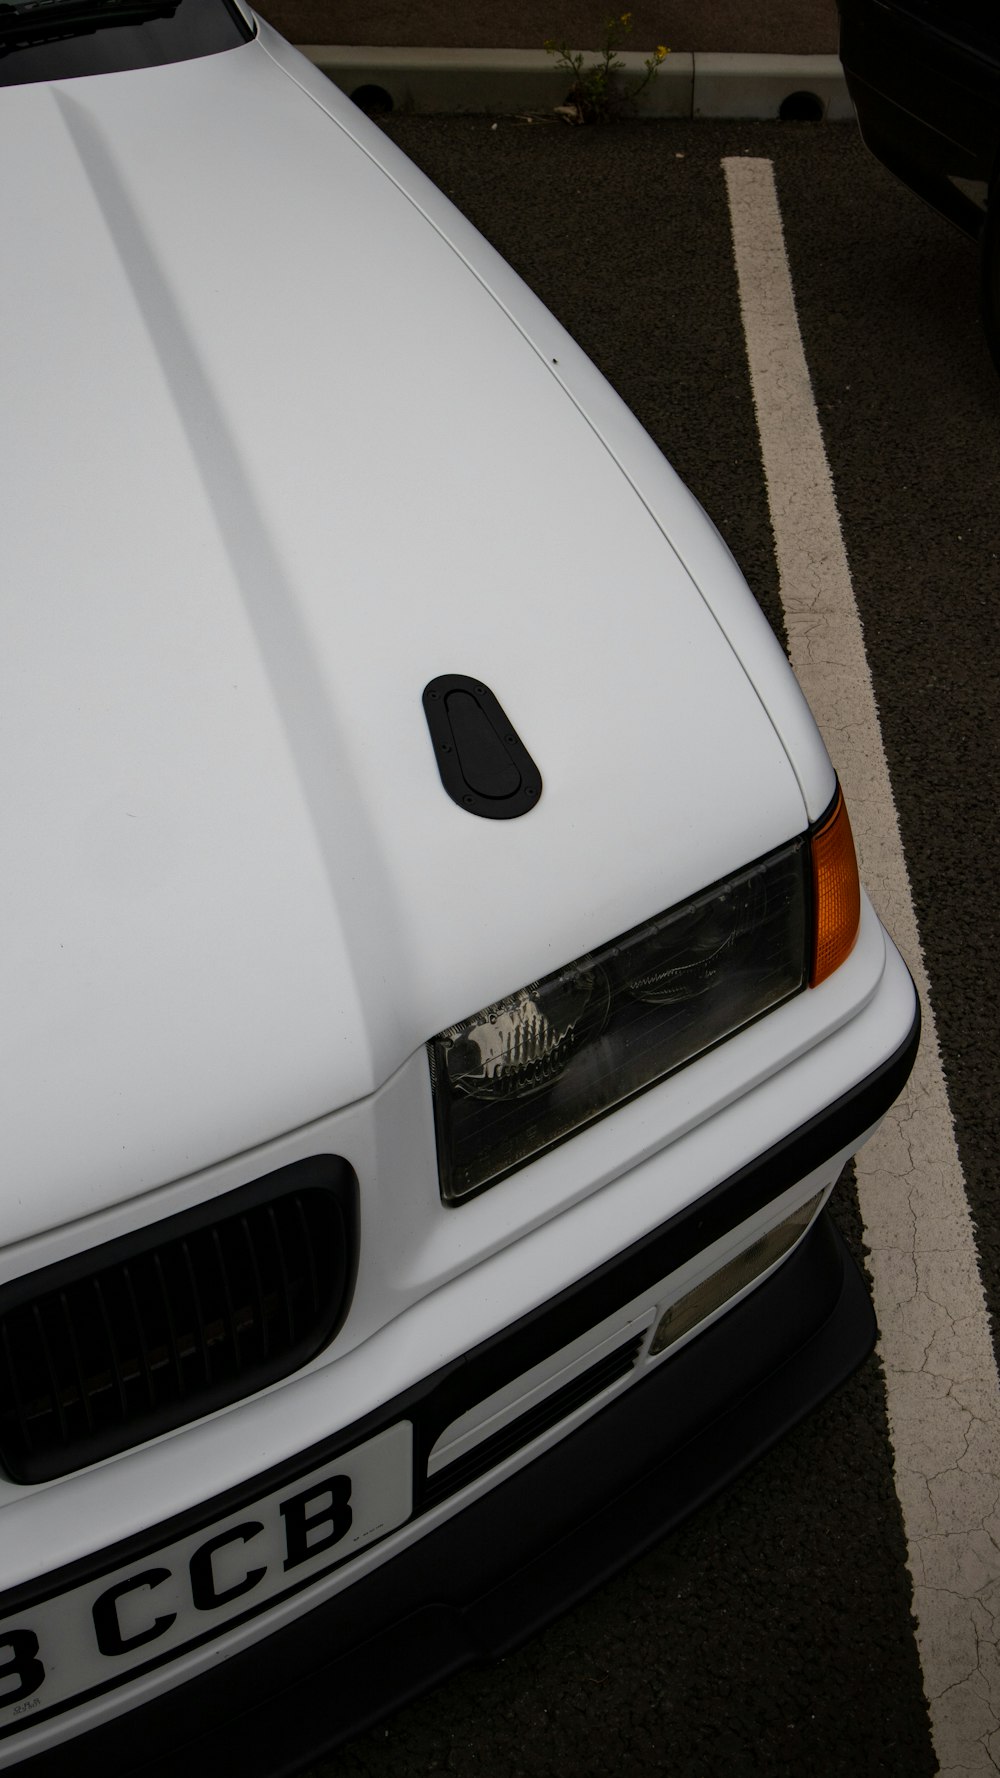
(484, 765)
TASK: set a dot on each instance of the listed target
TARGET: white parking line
(941, 1375)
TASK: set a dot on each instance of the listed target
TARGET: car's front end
(420, 1114)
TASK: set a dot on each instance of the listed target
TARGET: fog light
(733, 1277)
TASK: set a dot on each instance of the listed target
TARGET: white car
(437, 997)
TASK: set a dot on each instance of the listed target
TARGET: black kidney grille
(141, 1335)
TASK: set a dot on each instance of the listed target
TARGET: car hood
(277, 457)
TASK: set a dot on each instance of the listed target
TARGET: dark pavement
(792, 27)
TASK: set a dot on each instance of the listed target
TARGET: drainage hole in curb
(373, 99)
(801, 108)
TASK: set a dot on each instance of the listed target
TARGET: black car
(924, 76)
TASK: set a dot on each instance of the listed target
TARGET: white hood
(274, 458)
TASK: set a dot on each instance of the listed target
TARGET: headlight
(529, 1071)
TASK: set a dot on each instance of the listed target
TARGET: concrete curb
(689, 84)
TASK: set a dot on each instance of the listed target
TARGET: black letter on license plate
(337, 1517)
(23, 1662)
(203, 1590)
(110, 1640)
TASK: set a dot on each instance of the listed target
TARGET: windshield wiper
(38, 21)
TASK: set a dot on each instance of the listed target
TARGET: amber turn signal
(836, 893)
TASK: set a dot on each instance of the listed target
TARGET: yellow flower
(626, 18)
(661, 52)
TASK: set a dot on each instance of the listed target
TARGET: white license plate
(80, 1641)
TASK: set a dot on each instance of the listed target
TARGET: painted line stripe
(941, 1375)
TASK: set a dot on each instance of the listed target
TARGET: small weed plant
(598, 93)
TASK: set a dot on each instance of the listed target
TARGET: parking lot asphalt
(773, 1633)
(792, 26)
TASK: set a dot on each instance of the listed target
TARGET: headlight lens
(525, 1073)
(522, 1045)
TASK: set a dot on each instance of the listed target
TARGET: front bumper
(486, 1578)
